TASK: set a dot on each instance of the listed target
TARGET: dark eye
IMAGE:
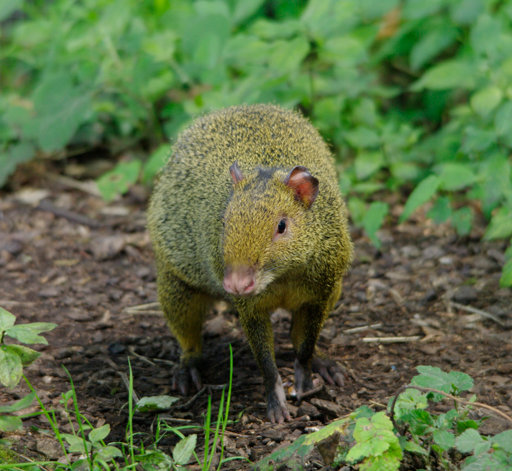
(281, 227)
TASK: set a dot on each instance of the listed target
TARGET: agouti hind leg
(185, 309)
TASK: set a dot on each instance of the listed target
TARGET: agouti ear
(304, 184)
(236, 173)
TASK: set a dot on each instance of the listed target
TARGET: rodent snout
(239, 281)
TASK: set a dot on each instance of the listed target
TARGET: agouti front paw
(329, 370)
(183, 376)
(277, 412)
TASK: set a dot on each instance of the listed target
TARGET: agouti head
(264, 235)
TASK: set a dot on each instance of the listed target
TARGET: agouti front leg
(307, 322)
(258, 330)
(185, 309)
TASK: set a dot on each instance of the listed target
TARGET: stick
(475, 310)
(411, 338)
(363, 327)
(46, 205)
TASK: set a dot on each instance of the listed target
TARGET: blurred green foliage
(411, 94)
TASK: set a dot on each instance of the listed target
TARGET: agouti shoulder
(248, 209)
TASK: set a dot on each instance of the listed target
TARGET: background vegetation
(413, 96)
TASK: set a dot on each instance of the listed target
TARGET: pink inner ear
(236, 173)
(304, 184)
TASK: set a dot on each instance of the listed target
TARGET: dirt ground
(67, 257)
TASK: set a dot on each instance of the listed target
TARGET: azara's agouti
(248, 209)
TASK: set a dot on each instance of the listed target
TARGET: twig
(474, 310)
(132, 351)
(46, 205)
(6, 302)
(89, 187)
(152, 308)
(411, 338)
(309, 393)
(191, 400)
(362, 328)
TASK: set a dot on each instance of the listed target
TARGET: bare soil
(68, 257)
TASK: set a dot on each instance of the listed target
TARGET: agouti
(248, 209)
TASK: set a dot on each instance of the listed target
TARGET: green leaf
(367, 163)
(183, 450)
(243, 10)
(8, 7)
(19, 405)
(420, 195)
(431, 44)
(362, 137)
(503, 440)
(413, 447)
(416, 9)
(434, 377)
(26, 354)
(405, 171)
(7, 319)
(118, 180)
(467, 441)
(155, 162)
(11, 368)
(444, 439)
(462, 220)
(99, 434)
(303, 445)
(357, 209)
(441, 211)
(109, 452)
(286, 56)
(10, 423)
(28, 333)
(500, 226)
(61, 108)
(465, 12)
(506, 275)
(449, 74)
(12, 156)
(455, 176)
(486, 100)
(155, 403)
(373, 219)
(503, 119)
(374, 437)
(76, 444)
(410, 399)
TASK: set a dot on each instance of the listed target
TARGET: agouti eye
(281, 227)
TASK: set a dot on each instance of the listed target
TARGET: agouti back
(248, 209)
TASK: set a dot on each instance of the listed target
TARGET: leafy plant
(14, 357)
(413, 98)
(409, 433)
(86, 445)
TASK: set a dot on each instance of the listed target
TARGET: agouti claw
(329, 370)
(278, 413)
(182, 378)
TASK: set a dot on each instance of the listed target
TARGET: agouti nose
(239, 281)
